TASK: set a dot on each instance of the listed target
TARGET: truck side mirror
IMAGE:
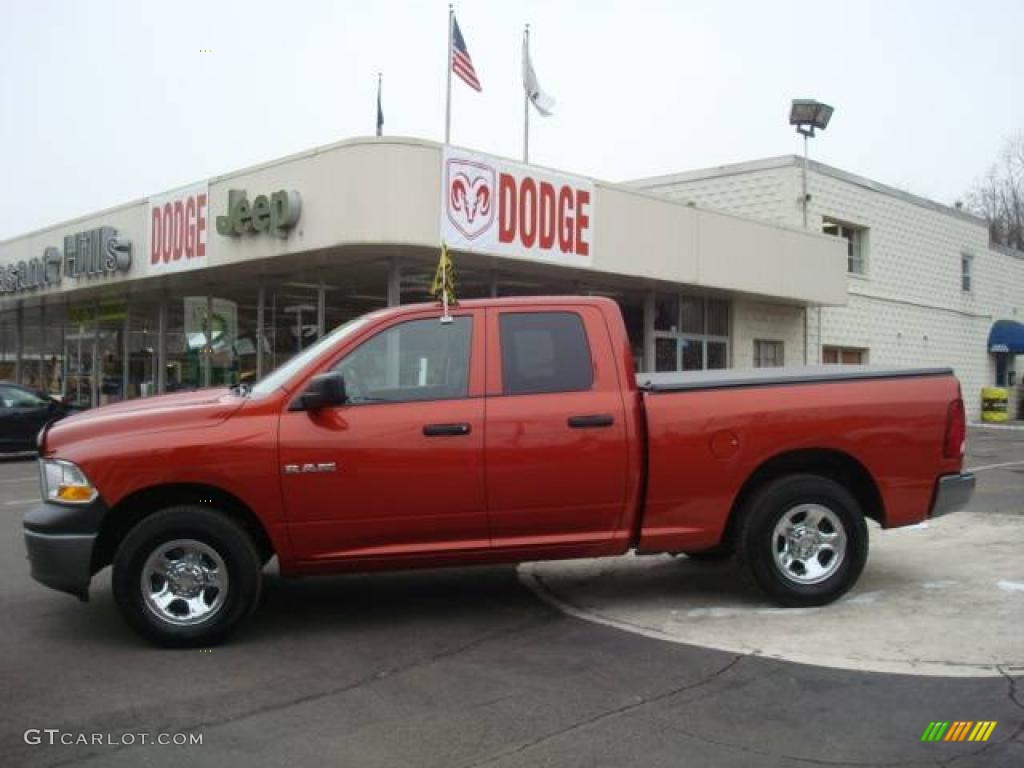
(324, 391)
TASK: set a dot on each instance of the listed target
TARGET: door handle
(591, 421)
(446, 430)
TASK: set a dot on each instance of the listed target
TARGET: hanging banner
(179, 222)
(490, 205)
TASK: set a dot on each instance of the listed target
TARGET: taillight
(956, 431)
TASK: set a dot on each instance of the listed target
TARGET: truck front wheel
(805, 539)
(186, 576)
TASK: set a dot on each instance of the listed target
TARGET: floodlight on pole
(808, 115)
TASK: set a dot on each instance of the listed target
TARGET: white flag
(542, 101)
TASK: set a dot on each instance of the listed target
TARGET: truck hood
(165, 413)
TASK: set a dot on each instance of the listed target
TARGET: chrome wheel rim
(809, 543)
(184, 582)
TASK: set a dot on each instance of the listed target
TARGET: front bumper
(952, 493)
(60, 542)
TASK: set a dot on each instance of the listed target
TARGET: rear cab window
(544, 352)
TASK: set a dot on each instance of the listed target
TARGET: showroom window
(844, 355)
(8, 344)
(691, 333)
(966, 272)
(769, 354)
(856, 244)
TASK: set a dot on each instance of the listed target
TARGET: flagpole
(448, 67)
(380, 125)
(526, 97)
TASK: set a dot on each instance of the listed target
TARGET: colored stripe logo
(958, 730)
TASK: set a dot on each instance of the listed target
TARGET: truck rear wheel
(805, 540)
(186, 576)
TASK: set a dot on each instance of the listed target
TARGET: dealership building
(924, 284)
(222, 281)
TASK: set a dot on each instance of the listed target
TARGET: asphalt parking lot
(471, 668)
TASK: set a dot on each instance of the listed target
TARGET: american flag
(462, 65)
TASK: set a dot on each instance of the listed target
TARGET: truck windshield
(278, 377)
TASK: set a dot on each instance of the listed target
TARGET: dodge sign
(494, 206)
(178, 227)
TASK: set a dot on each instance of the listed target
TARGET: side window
(544, 352)
(415, 360)
(19, 398)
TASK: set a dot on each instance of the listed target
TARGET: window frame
(856, 236)
(966, 272)
(778, 345)
(704, 338)
(864, 353)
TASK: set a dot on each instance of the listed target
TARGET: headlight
(64, 483)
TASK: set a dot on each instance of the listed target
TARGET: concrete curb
(1012, 427)
(943, 599)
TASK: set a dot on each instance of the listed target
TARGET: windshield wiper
(241, 390)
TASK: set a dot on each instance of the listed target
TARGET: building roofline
(783, 161)
(377, 141)
(223, 177)
(306, 153)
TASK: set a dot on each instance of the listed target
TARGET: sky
(108, 101)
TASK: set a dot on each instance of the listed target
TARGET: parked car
(515, 431)
(23, 413)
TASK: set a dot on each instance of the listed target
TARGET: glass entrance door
(78, 354)
(109, 370)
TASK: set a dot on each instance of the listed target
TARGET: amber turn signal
(76, 493)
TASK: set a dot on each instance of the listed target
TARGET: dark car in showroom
(25, 411)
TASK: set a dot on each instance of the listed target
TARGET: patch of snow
(865, 597)
(1011, 586)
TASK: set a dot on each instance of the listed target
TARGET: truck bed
(682, 381)
(709, 431)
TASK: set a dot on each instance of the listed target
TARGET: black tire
(211, 532)
(758, 544)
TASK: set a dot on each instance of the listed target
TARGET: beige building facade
(222, 281)
(925, 287)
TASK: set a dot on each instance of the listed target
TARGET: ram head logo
(470, 198)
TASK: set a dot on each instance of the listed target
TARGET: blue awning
(1006, 336)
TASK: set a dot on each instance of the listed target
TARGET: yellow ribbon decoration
(443, 286)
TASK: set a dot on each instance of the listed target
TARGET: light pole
(806, 115)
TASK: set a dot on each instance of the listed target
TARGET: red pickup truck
(515, 430)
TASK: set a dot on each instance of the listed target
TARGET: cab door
(398, 470)
(556, 448)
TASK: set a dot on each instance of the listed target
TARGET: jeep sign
(494, 206)
(275, 215)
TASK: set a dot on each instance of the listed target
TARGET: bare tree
(999, 195)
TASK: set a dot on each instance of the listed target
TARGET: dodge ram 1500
(515, 431)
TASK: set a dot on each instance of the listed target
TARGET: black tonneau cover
(683, 381)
